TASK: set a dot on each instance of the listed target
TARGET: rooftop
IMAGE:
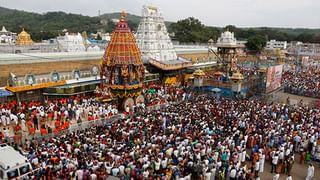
(179, 63)
(28, 58)
(48, 57)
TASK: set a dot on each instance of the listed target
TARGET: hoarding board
(274, 74)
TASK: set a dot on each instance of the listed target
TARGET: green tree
(231, 28)
(256, 43)
(305, 37)
(188, 30)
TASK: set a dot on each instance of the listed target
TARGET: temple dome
(227, 38)
(24, 38)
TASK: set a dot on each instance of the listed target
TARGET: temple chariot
(122, 70)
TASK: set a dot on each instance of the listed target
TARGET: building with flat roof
(274, 44)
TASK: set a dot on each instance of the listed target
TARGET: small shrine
(122, 70)
(198, 78)
(24, 38)
(237, 79)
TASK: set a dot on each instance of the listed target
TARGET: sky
(242, 13)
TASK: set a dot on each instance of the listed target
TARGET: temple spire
(123, 14)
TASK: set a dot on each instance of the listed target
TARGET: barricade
(86, 124)
(72, 128)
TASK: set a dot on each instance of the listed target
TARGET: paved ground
(294, 99)
(299, 171)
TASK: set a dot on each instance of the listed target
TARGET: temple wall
(43, 68)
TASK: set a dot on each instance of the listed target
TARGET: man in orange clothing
(43, 130)
(66, 124)
(17, 128)
(32, 130)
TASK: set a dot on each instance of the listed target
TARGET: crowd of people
(198, 138)
(302, 82)
(51, 116)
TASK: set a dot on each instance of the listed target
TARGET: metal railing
(34, 171)
(72, 128)
(82, 125)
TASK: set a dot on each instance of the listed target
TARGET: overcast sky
(244, 13)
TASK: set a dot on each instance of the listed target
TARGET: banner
(274, 74)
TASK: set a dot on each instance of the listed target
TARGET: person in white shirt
(79, 174)
(213, 173)
(274, 164)
(289, 177)
(261, 161)
(121, 169)
(14, 118)
(6, 133)
(257, 168)
(281, 155)
(233, 174)
(243, 156)
(276, 177)
(145, 174)
(115, 171)
(164, 163)
(8, 120)
(93, 176)
(3, 119)
(310, 173)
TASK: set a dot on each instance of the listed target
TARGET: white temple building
(7, 36)
(71, 43)
(152, 37)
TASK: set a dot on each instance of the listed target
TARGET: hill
(50, 24)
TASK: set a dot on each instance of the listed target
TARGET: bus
(13, 165)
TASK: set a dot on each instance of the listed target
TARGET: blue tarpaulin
(4, 93)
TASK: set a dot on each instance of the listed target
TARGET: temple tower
(227, 46)
(153, 38)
